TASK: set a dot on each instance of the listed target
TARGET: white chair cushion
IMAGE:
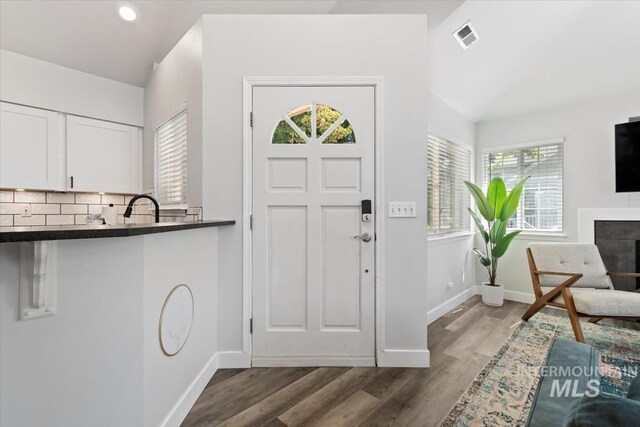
(603, 302)
(571, 258)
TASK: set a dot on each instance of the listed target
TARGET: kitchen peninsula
(80, 308)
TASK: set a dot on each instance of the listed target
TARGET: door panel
(340, 267)
(287, 266)
(313, 280)
(341, 174)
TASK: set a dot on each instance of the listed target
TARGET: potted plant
(496, 208)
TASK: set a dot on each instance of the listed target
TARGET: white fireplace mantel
(588, 216)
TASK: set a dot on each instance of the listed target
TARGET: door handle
(366, 237)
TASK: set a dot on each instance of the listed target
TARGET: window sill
(448, 237)
(533, 235)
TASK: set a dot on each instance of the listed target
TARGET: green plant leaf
(498, 230)
(484, 259)
(510, 204)
(501, 246)
(484, 207)
(496, 193)
(479, 226)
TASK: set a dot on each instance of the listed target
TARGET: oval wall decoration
(176, 319)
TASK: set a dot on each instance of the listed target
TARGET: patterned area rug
(501, 394)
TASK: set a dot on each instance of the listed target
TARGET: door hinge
(251, 222)
(251, 119)
(251, 325)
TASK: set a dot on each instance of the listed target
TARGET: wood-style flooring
(461, 343)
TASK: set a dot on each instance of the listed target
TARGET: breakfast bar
(87, 302)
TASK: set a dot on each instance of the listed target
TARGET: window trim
(457, 234)
(531, 234)
(179, 109)
(520, 145)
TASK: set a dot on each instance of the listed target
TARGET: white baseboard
(304, 360)
(513, 296)
(233, 359)
(450, 304)
(404, 359)
(519, 297)
(180, 410)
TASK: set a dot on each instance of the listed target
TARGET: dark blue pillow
(602, 411)
(634, 390)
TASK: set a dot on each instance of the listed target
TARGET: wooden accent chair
(573, 277)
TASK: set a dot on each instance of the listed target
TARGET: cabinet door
(103, 156)
(29, 148)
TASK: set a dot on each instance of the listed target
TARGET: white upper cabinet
(103, 156)
(29, 148)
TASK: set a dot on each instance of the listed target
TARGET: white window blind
(540, 208)
(448, 166)
(171, 161)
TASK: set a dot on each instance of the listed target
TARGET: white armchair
(572, 276)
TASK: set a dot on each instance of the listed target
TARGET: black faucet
(127, 213)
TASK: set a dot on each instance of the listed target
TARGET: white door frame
(249, 83)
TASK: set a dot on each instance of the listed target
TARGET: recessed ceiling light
(127, 13)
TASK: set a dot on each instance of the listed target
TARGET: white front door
(313, 272)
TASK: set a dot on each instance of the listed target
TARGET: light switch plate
(402, 210)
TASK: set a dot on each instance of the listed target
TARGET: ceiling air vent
(466, 35)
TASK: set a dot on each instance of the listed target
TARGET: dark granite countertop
(65, 232)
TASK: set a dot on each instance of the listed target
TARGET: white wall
(589, 168)
(448, 259)
(83, 365)
(172, 384)
(29, 81)
(393, 46)
(175, 81)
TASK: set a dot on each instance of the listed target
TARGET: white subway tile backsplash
(61, 198)
(10, 208)
(143, 209)
(6, 196)
(116, 199)
(31, 220)
(87, 199)
(42, 208)
(29, 197)
(74, 209)
(6, 220)
(95, 209)
(60, 220)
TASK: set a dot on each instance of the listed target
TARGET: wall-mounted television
(628, 157)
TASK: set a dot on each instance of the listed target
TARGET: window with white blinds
(448, 166)
(540, 208)
(171, 161)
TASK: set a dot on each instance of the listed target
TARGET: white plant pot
(493, 295)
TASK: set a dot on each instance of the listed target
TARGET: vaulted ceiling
(531, 55)
(89, 36)
(535, 55)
